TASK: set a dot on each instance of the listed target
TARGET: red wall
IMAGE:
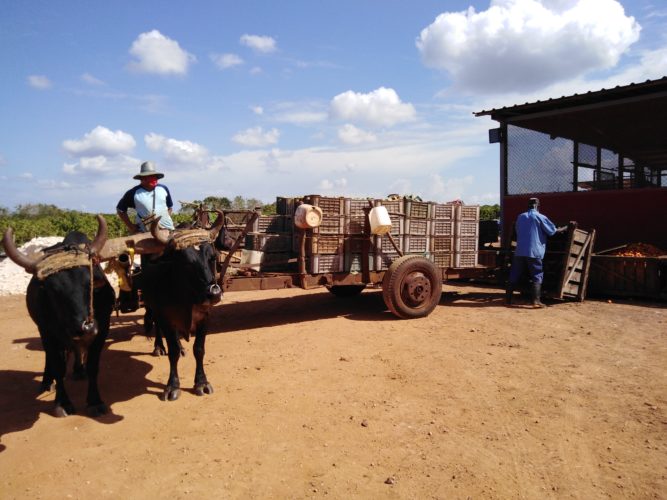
(618, 216)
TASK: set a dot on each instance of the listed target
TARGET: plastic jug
(307, 216)
(380, 220)
(251, 259)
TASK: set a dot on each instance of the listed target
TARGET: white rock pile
(13, 278)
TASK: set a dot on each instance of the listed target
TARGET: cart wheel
(346, 290)
(412, 287)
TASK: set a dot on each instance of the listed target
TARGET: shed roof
(630, 120)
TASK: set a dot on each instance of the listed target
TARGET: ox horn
(13, 253)
(101, 236)
(155, 231)
(217, 225)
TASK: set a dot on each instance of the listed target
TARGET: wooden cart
(411, 285)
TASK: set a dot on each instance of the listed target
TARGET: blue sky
(265, 98)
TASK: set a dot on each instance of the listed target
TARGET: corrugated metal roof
(630, 120)
(590, 97)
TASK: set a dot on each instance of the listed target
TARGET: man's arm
(131, 226)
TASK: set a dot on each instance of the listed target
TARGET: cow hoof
(98, 410)
(159, 351)
(45, 387)
(61, 411)
(201, 389)
(171, 394)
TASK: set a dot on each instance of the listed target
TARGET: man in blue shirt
(532, 230)
(149, 199)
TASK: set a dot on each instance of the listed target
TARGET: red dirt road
(322, 397)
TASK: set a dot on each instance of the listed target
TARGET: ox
(222, 242)
(71, 309)
(179, 287)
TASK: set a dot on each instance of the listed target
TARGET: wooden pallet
(576, 263)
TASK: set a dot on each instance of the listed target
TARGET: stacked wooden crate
(445, 233)
(336, 245)
(467, 236)
(273, 236)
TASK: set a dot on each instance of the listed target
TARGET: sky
(264, 98)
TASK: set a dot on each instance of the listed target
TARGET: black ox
(179, 288)
(59, 301)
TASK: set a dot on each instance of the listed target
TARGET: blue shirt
(158, 202)
(532, 230)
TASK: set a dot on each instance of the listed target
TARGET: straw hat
(148, 168)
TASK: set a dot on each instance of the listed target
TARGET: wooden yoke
(142, 243)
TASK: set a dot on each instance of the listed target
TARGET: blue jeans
(532, 265)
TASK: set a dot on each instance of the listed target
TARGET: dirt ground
(317, 396)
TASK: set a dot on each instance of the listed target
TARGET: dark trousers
(530, 265)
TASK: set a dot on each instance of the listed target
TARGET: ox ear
(217, 225)
(100, 237)
(17, 257)
(155, 226)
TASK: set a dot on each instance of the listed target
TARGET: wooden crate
(417, 209)
(353, 262)
(331, 225)
(394, 207)
(465, 259)
(618, 276)
(328, 205)
(443, 211)
(357, 207)
(418, 227)
(441, 244)
(269, 242)
(325, 244)
(442, 260)
(416, 244)
(319, 264)
(442, 228)
(468, 212)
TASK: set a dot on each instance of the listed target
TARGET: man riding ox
(180, 288)
(70, 301)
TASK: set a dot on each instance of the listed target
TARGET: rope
(90, 308)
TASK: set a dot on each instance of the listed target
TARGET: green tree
(489, 212)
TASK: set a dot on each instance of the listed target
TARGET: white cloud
(91, 80)
(101, 164)
(226, 61)
(256, 137)
(448, 189)
(256, 70)
(177, 151)
(349, 134)
(301, 117)
(526, 44)
(156, 53)
(39, 82)
(381, 107)
(258, 110)
(262, 44)
(100, 141)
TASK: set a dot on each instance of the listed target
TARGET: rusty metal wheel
(412, 287)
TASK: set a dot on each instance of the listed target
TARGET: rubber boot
(508, 295)
(536, 290)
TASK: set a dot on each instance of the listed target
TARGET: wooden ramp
(576, 263)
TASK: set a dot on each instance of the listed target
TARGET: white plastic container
(251, 259)
(307, 216)
(380, 220)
